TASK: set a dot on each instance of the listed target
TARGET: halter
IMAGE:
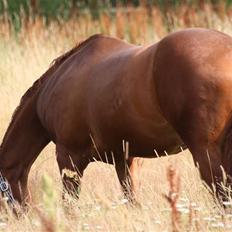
(5, 189)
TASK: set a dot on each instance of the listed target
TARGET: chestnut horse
(105, 94)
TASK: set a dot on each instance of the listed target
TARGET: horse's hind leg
(226, 147)
(205, 148)
(210, 166)
(71, 166)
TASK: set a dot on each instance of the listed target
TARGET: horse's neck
(24, 140)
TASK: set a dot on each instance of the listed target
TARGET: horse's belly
(145, 136)
(155, 141)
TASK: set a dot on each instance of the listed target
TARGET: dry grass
(101, 207)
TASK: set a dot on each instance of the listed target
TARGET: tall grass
(25, 56)
(64, 9)
(151, 21)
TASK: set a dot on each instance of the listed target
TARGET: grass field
(101, 207)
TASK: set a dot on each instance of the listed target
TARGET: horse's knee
(71, 179)
(71, 182)
(71, 166)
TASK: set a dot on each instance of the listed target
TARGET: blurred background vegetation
(16, 12)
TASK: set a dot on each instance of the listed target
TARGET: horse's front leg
(71, 166)
(122, 167)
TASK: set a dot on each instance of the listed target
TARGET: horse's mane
(53, 67)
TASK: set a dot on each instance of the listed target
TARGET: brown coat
(106, 93)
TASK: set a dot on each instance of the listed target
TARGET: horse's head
(7, 197)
